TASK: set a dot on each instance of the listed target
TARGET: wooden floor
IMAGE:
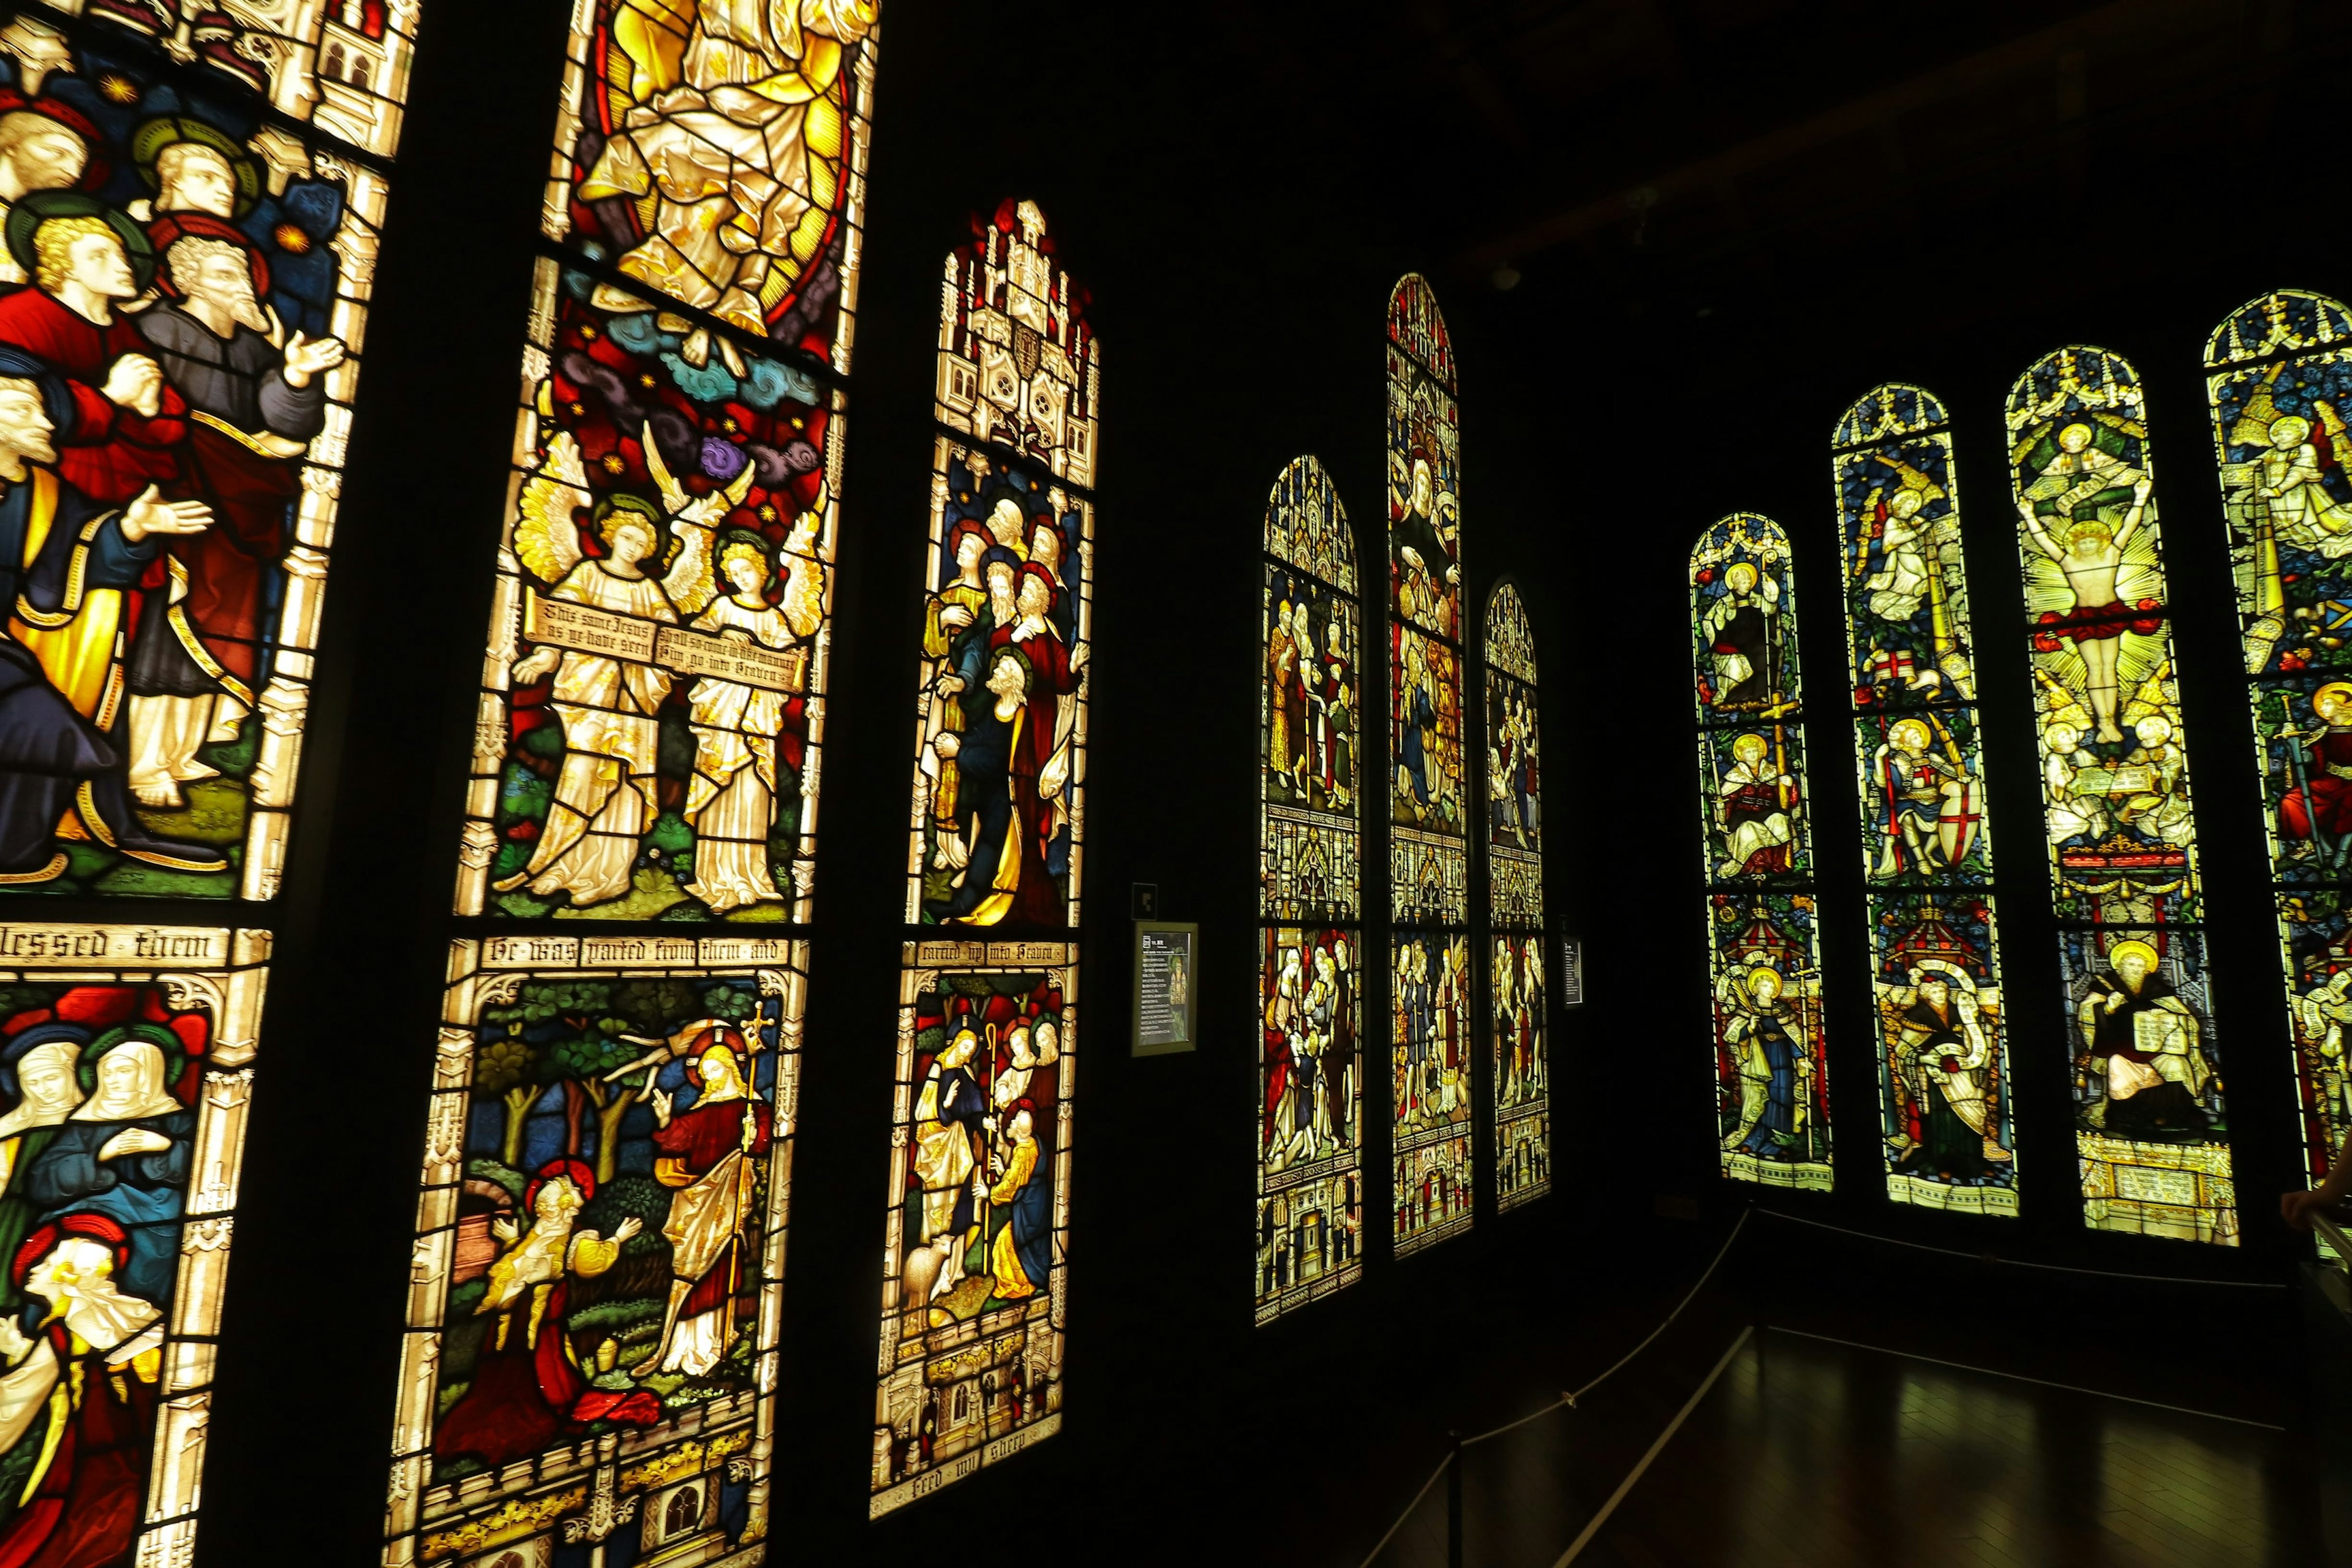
(1810, 1453)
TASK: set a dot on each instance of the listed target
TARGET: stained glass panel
(2280, 376)
(1310, 1074)
(1771, 1065)
(974, 1273)
(181, 398)
(2151, 1127)
(1945, 1122)
(1515, 904)
(1430, 991)
(973, 1285)
(600, 1242)
(127, 1064)
(1429, 826)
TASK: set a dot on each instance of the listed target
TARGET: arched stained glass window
(1310, 1160)
(648, 732)
(1429, 946)
(1771, 1065)
(2150, 1126)
(1515, 905)
(2280, 375)
(973, 1258)
(1946, 1120)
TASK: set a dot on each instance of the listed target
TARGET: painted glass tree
(1429, 846)
(1771, 1064)
(973, 1277)
(225, 167)
(590, 1363)
(1310, 1159)
(2280, 375)
(1514, 906)
(2150, 1126)
(1947, 1121)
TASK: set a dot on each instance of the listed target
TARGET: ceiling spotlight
(1506, 278)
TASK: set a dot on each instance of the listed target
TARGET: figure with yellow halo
(2141, 1038)
(1926, 796)
(1755, 804)
(655, 568)
(2316, 813)
(2290, 486)
(707, 1154)
(730, 801)
(1738, 630)
(2081, 511)
(733, 130)
(1769, 1058)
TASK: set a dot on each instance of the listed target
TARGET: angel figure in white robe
(730, 803)
(734, 134)
(606, 798)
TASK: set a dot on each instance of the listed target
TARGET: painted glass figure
(2151, 1128)
(1311, 1074)
(2280, 374)
(1945, 1122)
(1429, 832)
(1515, 905)
(1771, 1065)
(186, 268)
(973, 1291)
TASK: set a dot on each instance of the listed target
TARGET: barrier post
(1453, 1501)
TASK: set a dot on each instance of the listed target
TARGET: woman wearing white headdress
(46, 1095)
(125, 1154)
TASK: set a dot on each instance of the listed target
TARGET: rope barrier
(2019, 1263)
(1569, 1400)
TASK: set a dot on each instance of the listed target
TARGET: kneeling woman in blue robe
(125, 1153)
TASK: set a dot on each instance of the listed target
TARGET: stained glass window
(1515, 905)
(1944, 1106)
(1771, 1065)
(2281, 382)
(1429, 950)
(592, 1327)
(171, 555)
(2150, 1126)
(1310, 1165)
(980, 1152)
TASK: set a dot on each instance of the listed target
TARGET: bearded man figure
(257, 396)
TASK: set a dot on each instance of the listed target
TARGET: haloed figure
(2080, 511)
(2140, 1035)
(731, 802)
(705, 1155)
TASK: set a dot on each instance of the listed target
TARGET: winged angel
(656, 567)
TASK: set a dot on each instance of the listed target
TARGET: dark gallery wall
(1239, 224)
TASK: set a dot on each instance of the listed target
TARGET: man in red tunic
(86, 260)
(708, 1155)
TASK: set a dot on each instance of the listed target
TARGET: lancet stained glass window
(1429, 846)
(2280, 376)
(1771, 1064)
(169, 558)
(974, 1277)
(2150, 1126)
(1945, 1107)
(1310, 1162)
(590, 1353)
(1515, 905)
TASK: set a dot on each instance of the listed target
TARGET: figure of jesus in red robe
(708, 1157)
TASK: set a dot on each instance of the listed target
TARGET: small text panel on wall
(2280, 378)
(974, 1270)
(1429, 845)
(1515, 905)
(2151, 1130)
(590, 1353)
(1946, 1123)
(1310, 1162)
(1771, 1063)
